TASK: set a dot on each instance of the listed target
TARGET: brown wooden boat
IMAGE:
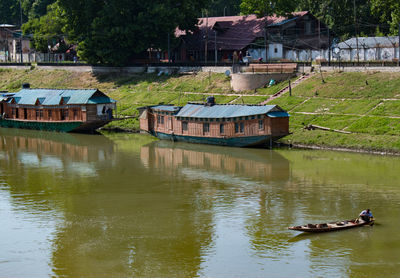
(332, 226)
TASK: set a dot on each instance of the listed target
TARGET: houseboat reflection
(258, 164)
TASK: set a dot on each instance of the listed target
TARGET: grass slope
(366, 104)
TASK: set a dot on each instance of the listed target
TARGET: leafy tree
(389, 13)
(112, 31)
(224, 7)
(48, 29)
(268, 7)
(9, 12)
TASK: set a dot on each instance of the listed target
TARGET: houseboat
(210, 123)
(56, 110)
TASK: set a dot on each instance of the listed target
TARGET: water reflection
(95, 206)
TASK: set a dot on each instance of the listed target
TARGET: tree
(112, 31)
(388, 12)
(268, 7)
(224, 7)
(48, 29)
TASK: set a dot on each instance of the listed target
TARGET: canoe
(332, 226)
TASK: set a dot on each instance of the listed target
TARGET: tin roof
(370, 42)
(54, 96)
(167, 108)
(234, 32)
(225, 111)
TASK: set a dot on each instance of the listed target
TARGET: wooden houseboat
(209, 123)
(56, 110)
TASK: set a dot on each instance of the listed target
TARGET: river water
(127, 206)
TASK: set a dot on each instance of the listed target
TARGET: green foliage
(47, 29)
(268, 7)
(224, 7)
(111, 32)
(389, 12)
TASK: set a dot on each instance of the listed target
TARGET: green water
(127, 206)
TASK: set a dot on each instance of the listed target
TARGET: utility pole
(356, 30)
(169, 52)
(20, 39)
(215, 46)
(265, 43)
(205, 47)
(329, 48)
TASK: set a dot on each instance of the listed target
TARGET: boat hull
(70, 126)
(247, 141)
(330, 227)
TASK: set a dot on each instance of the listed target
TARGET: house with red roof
(231, 38)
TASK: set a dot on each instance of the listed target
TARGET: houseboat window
(65, 113)
(260, 124)
(206, 127)
(253, 117)
(13, 111)
(184, 126)
(37, 113)
(75, 113)
(41, 113)
(211, 120)
(50, 113)
(259, 117)
(240, 118)
(246, 118)
(221, 129)
(239, 127)
(162, 120)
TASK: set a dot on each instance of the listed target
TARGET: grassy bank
(365, 104)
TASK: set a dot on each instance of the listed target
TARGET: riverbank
(365, 105)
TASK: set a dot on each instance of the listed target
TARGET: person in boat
(366, 215)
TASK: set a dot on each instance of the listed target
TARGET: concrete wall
(251, 81)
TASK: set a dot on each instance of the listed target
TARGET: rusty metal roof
(225, 111)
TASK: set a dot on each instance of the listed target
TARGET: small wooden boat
(332, 226)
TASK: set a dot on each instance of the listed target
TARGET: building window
(260, 124)
(308, 28)
(65, 113)
(221, 129)
(37, 113)
(41, 113)
(239, 127)
(75, 113)
(184, 126)
(50, 113)
(160, 119)
(206, 127)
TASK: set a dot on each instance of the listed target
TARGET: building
(58, 110)
(209, 123)
(369, 49)
(300, 36)
(13, 46)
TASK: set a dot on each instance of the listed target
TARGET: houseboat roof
(229, 111)
(54, 96)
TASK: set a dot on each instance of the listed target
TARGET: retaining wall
(251, 81)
